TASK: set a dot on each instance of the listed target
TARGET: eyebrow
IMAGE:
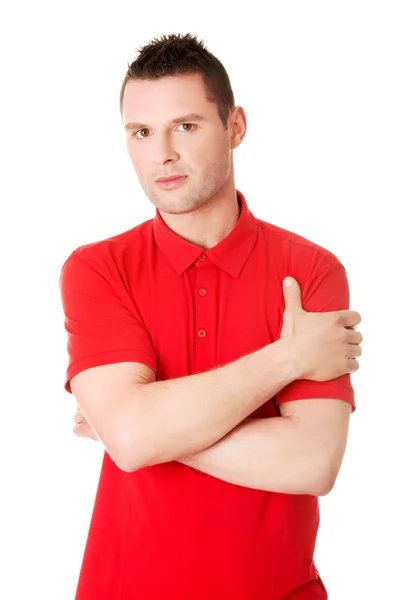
(184, 118)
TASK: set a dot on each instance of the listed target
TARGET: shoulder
(295, 249)
(120, 250)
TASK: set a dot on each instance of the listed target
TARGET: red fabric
(147, 295)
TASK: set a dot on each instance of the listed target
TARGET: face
(174, 130)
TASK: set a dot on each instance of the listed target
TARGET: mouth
(171, 182)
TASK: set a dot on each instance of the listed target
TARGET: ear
(237, 123)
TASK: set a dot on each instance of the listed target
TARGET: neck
(210, 224)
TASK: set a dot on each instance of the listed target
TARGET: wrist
(289, 363)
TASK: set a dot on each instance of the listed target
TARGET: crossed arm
(299, 452)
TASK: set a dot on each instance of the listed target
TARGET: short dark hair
(178, 54)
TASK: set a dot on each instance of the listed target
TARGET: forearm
(179, 417)
(276, 454)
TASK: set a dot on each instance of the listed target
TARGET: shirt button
(201, 333)
(202, 292)
(202, 257)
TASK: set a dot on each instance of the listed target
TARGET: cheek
(216, 158)
(205, 156)
(138, 160)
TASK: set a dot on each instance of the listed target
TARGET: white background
(320, 85)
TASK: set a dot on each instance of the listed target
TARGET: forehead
(166, 97)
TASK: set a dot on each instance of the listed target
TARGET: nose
(164, 151)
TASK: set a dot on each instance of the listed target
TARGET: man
(222, 398)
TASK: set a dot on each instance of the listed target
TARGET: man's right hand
(322, 345)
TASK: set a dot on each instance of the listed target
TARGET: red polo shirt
(168, 531)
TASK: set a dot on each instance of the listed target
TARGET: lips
(170, 178)
(171, 183)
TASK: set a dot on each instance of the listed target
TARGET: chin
(174, 203)
(175, 208)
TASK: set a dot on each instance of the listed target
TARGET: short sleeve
(101, 327)
(327, 292)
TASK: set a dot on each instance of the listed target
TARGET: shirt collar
(230, 254)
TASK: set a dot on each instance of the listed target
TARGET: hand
(322, 345)
(82, 427)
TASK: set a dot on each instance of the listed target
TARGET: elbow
(324, 466)
(126, 466)
(324, 483)
(126, 455)
(127, 463)
(122, 460)
(136, 453)
(133, 462)
(130, 444)
(323, 488)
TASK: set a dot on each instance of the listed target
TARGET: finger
(349, 318)
(83, 430)
(352, 365)
(354, 351)
(354, 337)
(292, 294)
(78, 430)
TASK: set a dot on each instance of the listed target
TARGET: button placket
(202, 292)
(205, 318)
(202, 333)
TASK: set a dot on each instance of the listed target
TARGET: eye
(187, 124)
(141, 137)
(139, 131)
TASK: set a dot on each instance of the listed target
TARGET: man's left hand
(82, 427)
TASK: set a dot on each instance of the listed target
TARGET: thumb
(292, 293)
